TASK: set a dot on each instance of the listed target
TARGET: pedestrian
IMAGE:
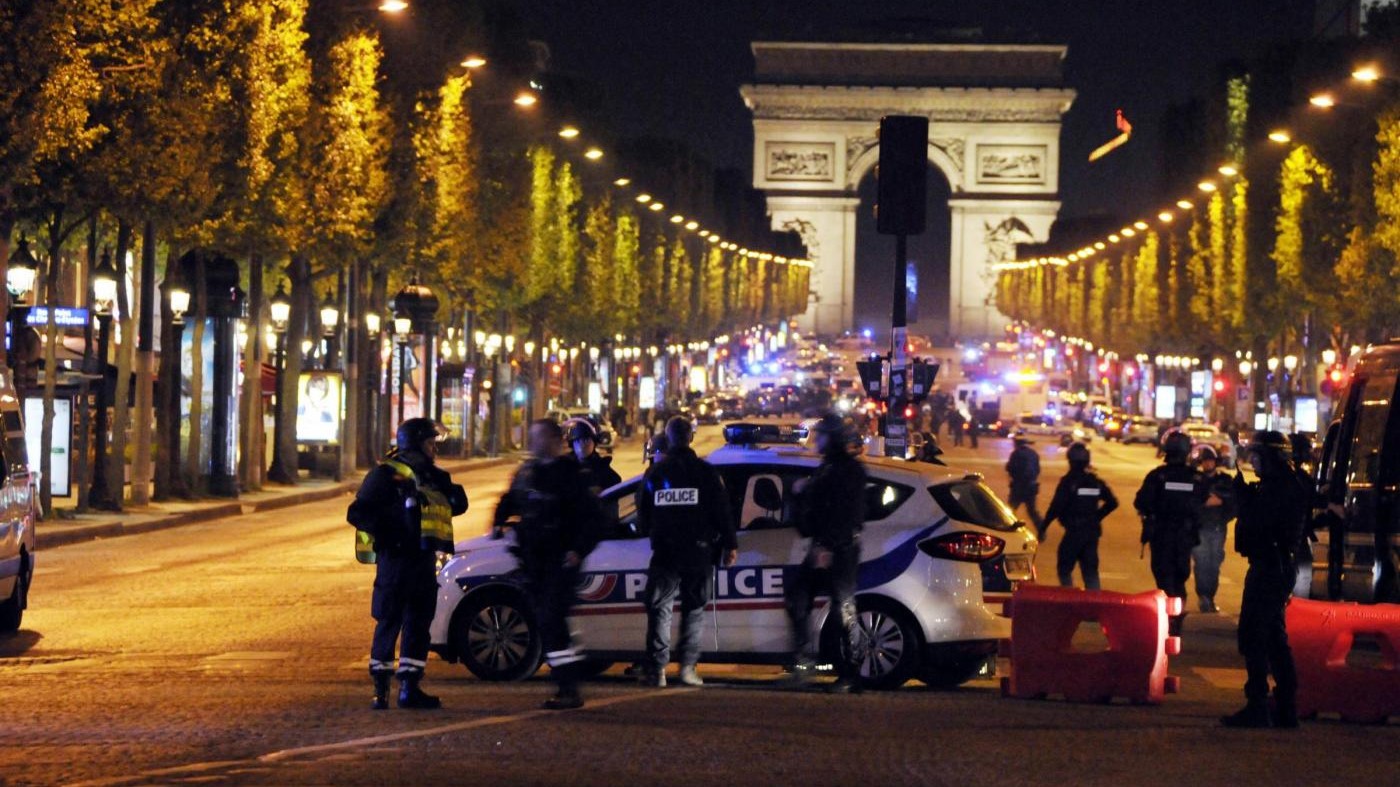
(683, 506)
(1217, 509)
(1273, 511)
(831, 512)
(1081, 503)
(973, 427)
(1169, 505)
(1023, 466)
(406, 504)
(557, 523)
(955, 425)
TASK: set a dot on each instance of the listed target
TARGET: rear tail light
(971, 547)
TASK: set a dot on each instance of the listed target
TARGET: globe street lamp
(330, 318)
(104, 293)
(280, 310)
(19, 280)
(402, 327)
(179, 298)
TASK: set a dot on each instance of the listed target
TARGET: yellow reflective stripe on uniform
(364, 548)
(436, 511)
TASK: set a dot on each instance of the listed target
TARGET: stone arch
(994, 125)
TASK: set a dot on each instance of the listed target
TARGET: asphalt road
(233, 652)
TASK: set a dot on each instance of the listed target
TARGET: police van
(940, 555)
(19, 510)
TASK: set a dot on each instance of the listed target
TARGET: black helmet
(414, 431)
(1302, 447)
(1270, 439)
(1078, 454)
(1176, 444)
(1270, 452)
(580, 429)
(841, 430)
(1204, 452)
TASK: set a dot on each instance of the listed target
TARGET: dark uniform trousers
(405, 597)
(553, 588)
(695, 585)
(839, 582)
(1263, 638)
(1171, 557)
(1079, 545)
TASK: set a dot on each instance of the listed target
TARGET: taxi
(940, 554)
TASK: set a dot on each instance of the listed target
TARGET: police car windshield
(972, 502)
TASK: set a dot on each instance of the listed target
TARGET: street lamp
(330, 318)
(19, 280)
(1329, 356)
(179, 298)
(104, 292)
(280, 310)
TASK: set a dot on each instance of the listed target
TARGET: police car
(19, 510)
(940, 554)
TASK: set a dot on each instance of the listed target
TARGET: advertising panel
(318, 407)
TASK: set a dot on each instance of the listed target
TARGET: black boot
(410, 696)
(1285, 713)
(381, 688)
(1252, 715)
(567, 697)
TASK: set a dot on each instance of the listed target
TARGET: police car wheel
(890, 644)
(12, 609)
(494, 635)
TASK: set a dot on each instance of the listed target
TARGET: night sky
(672, 68)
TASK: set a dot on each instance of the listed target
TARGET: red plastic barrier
(1134, 665)
(1321, 634)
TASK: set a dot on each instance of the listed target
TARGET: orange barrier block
(1044, 661)
(1321, 634)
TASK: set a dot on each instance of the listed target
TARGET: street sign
(896, 438)
(63, 316)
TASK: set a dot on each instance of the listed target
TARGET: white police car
(940, 554)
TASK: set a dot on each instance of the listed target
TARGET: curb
(81, 533)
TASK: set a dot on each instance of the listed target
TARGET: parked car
(1113, 424)
(941, 553)
(1138, 429)
(1064, 432)
(19, 511)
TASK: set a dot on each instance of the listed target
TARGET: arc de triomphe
(994, 132)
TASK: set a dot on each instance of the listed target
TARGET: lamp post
(402, 327)
(280, 310)
(19, 280)
(489, 348)
(330, 318)
(104, 292)
(179, 306)
(373, 323)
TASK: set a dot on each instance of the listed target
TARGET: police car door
(749, 595)
(609, 612)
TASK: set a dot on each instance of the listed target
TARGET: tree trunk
(54, 268)
(285, 469)
(144, 414)
(354, 394)
(199, 291)
(253, 458)
(121, 402)
(372, 440)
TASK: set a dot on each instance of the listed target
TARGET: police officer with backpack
(1270, 533)
(406, 505)
(1169, 505)
(1081, 503)
(683, 506)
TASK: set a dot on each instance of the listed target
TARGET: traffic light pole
(896, 427)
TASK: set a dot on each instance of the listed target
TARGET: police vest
(1084, 503)
(435, 517)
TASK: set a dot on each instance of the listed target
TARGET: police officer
(583, 441)
(557, 523)
(1081, 503)
(1169, 505)
(832, 513)
(683, 506)
(1273, 511)
(1217, 492)
(1024, 468)
(406, 505)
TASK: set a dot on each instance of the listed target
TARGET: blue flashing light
(867, 333)
(518, 396)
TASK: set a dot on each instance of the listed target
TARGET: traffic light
(901, 180)
(922, 380)
(871, 373)
(1219, 386)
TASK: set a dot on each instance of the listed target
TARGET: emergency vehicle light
(760, 434)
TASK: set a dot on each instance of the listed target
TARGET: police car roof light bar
(745, 433)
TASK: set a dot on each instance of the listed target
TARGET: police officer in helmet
(683, 506)
(1081, 503)
(406, 505)
(557, 522)
(583, 441)
(1270, 531)
(1169, 505)
(831, 513)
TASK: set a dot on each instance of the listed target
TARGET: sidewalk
(72, 528)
